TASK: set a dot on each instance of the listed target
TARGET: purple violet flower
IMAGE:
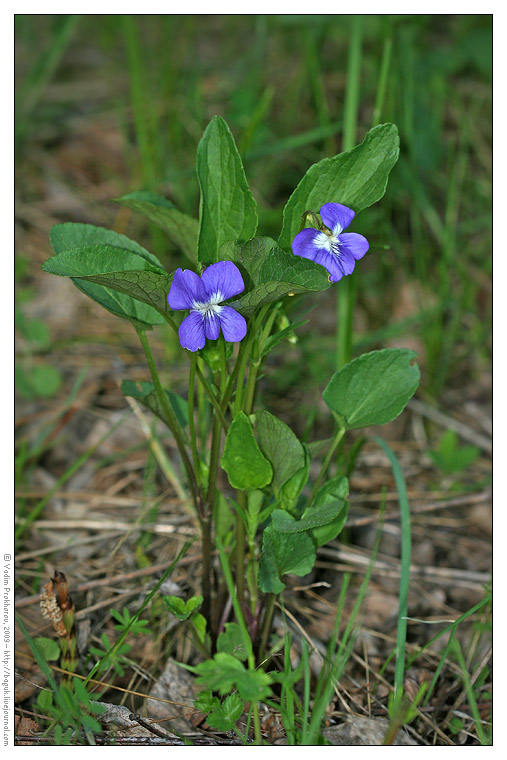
(203, 296)
(328, 246)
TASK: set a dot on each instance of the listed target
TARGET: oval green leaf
(245, 464)
(374, 388)
(228, 210)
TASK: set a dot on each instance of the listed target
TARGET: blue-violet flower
(203, 296)
(335, 251)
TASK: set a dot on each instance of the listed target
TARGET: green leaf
(90, 723)
(181, 228)
(284, 553)
(317, 515)
(206, 702)
(224, 673)
(180, 608)
(226, 714)
(280, 445)
(279, 275)
(121, 305)
(450, 457)
(81, 691)
(244, 462)
(248, 256)
(33, 330)
(228, 209)
(291, 490)
(232, 707)
(144, 392)
(199, 623)
(41, 381)
(44, 700)
(331, 497)
(70, 236)
(115, 268)
(48, 648)
(357, 179)
(323, 520)
(374, 388)
(232, 641)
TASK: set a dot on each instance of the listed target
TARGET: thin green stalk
(382, 80)
(240, 547)
(470, 693)
(269, 611)
(256, 362)
(336, 440)
(328, 660)
(406, 548)
(346, 291)
(171, 418)
(234, 374)
(241, 622)
(191, 419)
(217, 406)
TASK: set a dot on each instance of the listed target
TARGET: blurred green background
(107, 104)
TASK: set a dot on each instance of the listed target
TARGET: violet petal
(233, 324)
(336, 215)
(191, 332)
(223, 277)
(356, 244)
(186, 288)
(304, 243)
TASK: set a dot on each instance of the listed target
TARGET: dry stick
(459, 501)
(468, 578)
(61, 547)
(28, 600)
(158, 452)
(103, 498)
(100, 525)
(448, 422)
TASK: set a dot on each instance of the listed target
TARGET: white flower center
(210, 308)
(329, 243)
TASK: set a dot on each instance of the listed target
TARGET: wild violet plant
(228, 309)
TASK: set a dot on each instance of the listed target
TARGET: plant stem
(346, 296)
(240, 548)
(336, 440)
(191, 420)
(266, 625)
(170, 416)
(255, 362)
(214, 402)
(206, 575)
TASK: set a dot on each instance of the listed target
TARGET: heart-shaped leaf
(284, 553)
(244, 462)
(374, 388)
(280, 445)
